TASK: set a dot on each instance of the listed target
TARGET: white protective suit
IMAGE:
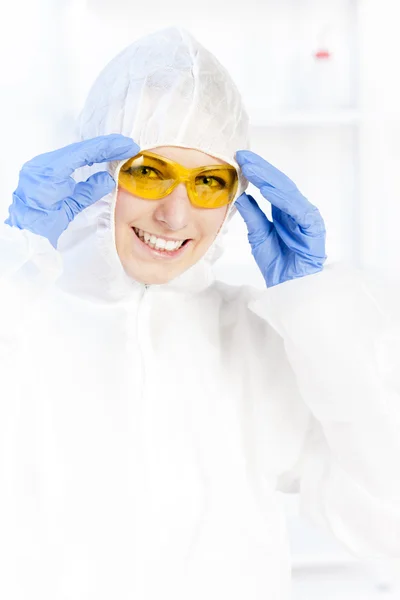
(146, 431)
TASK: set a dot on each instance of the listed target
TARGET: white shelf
(264, 118)
(318, 562)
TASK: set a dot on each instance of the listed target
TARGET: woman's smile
(159, 247)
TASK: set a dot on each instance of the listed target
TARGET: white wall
(380, 134)
(33, 87)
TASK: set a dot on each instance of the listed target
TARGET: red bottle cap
(322, 54)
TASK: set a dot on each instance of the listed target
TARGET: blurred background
(320, 79)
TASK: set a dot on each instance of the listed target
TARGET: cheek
(214, 220)
(125, 209)
(120, 208)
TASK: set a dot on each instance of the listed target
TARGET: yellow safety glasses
(152, 177)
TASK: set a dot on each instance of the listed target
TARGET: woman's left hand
(293, 244)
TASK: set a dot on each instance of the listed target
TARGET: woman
(153, 413)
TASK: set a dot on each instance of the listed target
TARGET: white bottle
(320, 80)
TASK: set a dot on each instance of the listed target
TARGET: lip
(147, 251)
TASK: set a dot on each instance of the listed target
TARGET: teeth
(160, 243)
(156, 242)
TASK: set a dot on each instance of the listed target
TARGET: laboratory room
(199, 300)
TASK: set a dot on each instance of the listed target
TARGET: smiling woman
(147, 430)
(149, 258)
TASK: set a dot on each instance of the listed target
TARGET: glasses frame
(184, 175)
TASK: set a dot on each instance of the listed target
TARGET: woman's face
(170, 218)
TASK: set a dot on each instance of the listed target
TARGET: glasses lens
(216, 187)
(149, 176)
(146, 176)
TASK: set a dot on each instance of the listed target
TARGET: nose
(174, 210)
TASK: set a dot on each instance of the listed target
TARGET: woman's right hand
(47, 198)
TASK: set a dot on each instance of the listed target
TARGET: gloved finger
(254, 166)
(300, 242)
(64, 161)
(258, 225)
(297, 206)
(316, 228)
(34, 190)
(88, 192)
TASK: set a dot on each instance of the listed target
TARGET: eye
(144, 172)
(210, 181)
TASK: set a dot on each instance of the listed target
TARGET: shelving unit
(306, 118)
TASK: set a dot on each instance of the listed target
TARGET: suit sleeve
(28, 266)
(342, 339)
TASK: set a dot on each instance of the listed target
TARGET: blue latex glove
(293, 244)
(47, 198)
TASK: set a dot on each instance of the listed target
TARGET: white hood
(165, 89)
